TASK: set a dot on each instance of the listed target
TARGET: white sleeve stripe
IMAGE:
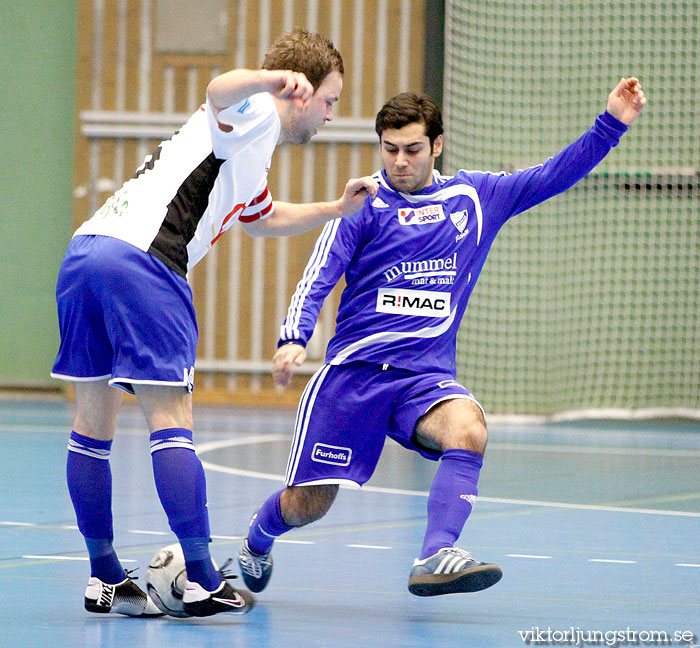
(319, 256)
(290, 329)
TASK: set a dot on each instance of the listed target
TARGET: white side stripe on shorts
(306, 406)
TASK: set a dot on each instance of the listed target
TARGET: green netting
(590, 301)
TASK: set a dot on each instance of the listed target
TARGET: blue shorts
(347, 411)
(124, 316)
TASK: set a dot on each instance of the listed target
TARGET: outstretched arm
(288, 219)
(626, 100)
(521, 190)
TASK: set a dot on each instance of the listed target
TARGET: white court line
(607, 560)
(301, 542)
(34, 557)
(528, 556)
(363, 546)
(158, 533)
(20, 524)
(607, 450)
(271, 438)
(686, 565)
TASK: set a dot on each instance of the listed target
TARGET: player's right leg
(328, 449)
(289, 508)
(181, 486)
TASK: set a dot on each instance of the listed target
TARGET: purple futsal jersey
(411, 262)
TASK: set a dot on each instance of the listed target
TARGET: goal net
(589, 304)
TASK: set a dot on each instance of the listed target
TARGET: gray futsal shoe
(123, 598)
(450, 571)
(256, 569)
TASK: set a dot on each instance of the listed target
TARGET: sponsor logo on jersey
(443, 384)
(423, 303)
(421, 215)
(116, 205)
(329, 454)
(428, 272)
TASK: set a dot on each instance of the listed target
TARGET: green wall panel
(37, 100)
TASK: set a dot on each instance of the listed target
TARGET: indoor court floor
(595, 524)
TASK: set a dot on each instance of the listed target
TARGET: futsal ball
(165, 580)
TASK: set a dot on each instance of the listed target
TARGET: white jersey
(196, 185)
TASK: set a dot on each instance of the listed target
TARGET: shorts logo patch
(329, 454)
(448, 383)
(421, 215)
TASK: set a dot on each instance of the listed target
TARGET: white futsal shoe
(123, 598)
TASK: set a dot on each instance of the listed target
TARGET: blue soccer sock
(90, 486)
(452, 495)
(181, 486)
(267, 524)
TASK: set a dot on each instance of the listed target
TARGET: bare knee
(165, 406)
(454, 424)
(302, 505)
(97, 405)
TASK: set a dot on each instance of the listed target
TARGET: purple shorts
(123, 316)
(347, 411)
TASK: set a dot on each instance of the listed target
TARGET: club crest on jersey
(423, 303)
(421, 215)
(459, 220)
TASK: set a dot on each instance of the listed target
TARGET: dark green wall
(37, 100)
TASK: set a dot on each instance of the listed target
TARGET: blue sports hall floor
(595, 524)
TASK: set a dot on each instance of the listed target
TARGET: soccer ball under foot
(166, 578)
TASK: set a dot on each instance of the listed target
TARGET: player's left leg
(456, 428)
(181, 487)
(89, 478)
(89, 474)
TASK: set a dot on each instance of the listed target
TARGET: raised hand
(626, 100)
(291, 85)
